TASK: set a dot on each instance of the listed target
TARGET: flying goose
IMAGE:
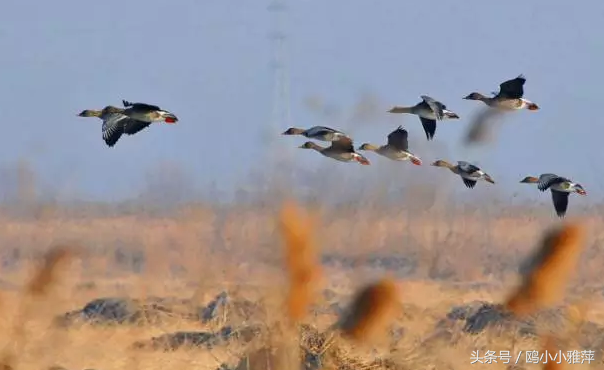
(429, 111)
(341, 150)
(469, 173)
(115, 123)
(509, 97)
(397, 147)
(560, 187)
(316, 132)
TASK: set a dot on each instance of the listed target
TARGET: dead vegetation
(237, 290)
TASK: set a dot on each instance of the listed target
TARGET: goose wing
(113, 127)
(398, 139)
(140, 106)
(132, 126)
(429, 127)
(546, 180)
(467, 167)
(436, 106)
(560, 200)
(321, 130)
(344, 144)
(469, 183)
(513, 89)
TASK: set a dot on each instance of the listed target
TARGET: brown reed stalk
(301, 260)
(548, 270)
(551, 350)
(43, 279)
(371, 311)
(46, 275)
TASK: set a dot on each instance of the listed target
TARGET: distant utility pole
(281, 115)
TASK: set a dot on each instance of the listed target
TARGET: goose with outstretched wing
(560, 187)
(397, 147)
(322, 133)
(509, 98)
(115, 123)
(341, 150)
(469, 173)
(429, 111)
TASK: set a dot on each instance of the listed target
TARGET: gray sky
(208, 62)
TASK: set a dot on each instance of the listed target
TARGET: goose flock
(509, 98)
(134, 117)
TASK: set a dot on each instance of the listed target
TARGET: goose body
(397, 147)
(510, 96)
(147, 112)
(469, 173)
(559, 186)
(341, 150)
(115, 123)
(317, 132)
(429, 111)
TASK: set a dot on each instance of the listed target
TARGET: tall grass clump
(371, 311)
(547, 272)
(301, 260)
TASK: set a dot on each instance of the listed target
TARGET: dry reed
(548, 270)
(372, 309)
(549, 347)
(301, 260)
(38, 287)
(45, 276)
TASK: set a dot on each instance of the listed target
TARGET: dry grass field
(265, 287)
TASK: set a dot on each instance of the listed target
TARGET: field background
(103, 249)
(443, 251)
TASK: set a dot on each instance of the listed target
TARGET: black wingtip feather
(111, 141)
(560, 201)
(429, 127)
(469, 183)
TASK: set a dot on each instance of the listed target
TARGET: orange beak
(362, 160)
(170, 120)
(416, 161)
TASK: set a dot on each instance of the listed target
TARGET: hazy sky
(208, 62)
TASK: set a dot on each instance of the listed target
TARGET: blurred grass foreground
(276, 283)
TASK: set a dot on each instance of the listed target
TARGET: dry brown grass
(302, 263)
(549, 270)
(372, 311)
(46, 275)
(43, 279)
(442, 261)
(550, 347)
